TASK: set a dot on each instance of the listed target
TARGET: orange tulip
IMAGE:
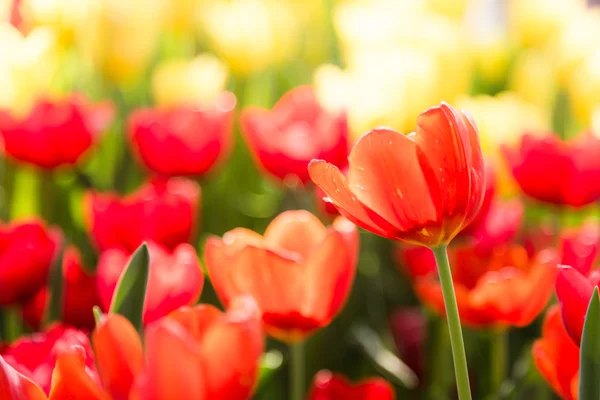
(504, 288)
(300, 272)
(421, 188)
(201, 353)
(556, 356)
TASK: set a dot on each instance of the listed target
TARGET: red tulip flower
(36, 356)
(298, 129)
(202, 353)
(504, 288)
(55, 133)
(328, 386)
(14, 385)
(175, 278)
(489, 197)
(183, 140)
(557, 172)
(79, 291)
(579, 248)
(163, 211)
(300, 272)
(556, 356)
(422, 188)
(27, 250)
(574, 292)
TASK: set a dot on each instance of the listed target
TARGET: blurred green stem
(26, 200)
(297, 371)
(456, 338)
(439, 360)
(499, 358)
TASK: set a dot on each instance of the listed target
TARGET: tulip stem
(499, 358)
(456, 338)
(297, 371)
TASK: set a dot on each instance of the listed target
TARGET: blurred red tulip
(175, 278)
(300, 271)
(201, 353)
(422, 188)
(579, 247)
(297, 130)
(574, 168)
(504, 288)
(119, 355)
(35, 356)
(15, 386)
(27, 250)
(488, 198)
(55, 132)
(183, 140)
(499, 227)
(328, 386)
(164, 211)
(80, 295)
(556, 356)
(574, 292)
(409, 330)
(415, 261)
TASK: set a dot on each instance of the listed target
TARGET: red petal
(231, 350)
(329, 178)
(174, 367)
(119, 354)
(70, 379)
(386, 175)
(14, 386)
(574, 292)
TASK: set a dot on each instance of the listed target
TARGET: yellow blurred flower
(196, 81)
(535, 23)
(120, 37)
(183, 15)
(62, 16)
(451, 8)
(5, 9)
(581, 34)
(533, 78)
(385, 88)
(251, 35)
(584, 88)
(384, 26)
(502, 119)
(27, 66)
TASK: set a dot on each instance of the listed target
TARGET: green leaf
(270, 363)
(589, 364)
(98, 315)
(384, 360)
(55, 288)
(128, 299)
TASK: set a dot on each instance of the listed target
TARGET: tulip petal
(196, 320)
(329, 178)
(14, 386)
(119, 354)
(297, 231)
(275, 281)
(174, 368)
(330, 273)
(574, 292)
(443, 137)
(387, 176)
(231, 350)
(70, 380)
(556, 356)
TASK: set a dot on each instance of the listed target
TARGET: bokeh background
(515, 65)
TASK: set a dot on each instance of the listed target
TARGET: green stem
(439, 359)
(499, 359)
(26, 193)
(456, 339)
(297, 371)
